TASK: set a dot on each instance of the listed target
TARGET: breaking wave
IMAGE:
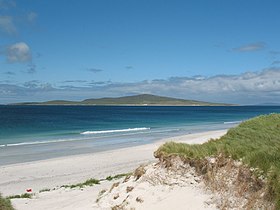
(115, 131)
(233, 122)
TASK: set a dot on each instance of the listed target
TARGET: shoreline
(51, 173)
(39, 150)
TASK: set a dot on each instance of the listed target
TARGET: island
(135, 100)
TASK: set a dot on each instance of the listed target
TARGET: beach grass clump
(89, 182)
(5, 204)
(118, 176)
(24, 195)
(256, 142)
(45, 190)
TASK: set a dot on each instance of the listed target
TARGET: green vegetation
(25, 195)
(256, 142)
(88, 182)
(5, 204)
(118, 176)
(140, 100)
(45, 190)
(91, 182)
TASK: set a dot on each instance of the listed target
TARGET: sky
(209, 50)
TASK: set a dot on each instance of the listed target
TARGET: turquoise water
(30, 133)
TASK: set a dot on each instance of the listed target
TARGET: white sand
(51, 173)
(177, 187)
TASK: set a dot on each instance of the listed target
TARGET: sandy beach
(53, 173)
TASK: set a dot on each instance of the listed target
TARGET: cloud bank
(246, 88)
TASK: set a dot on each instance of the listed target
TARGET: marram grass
(89, 182)
(256, 142)
(5, 204)
(24, 195)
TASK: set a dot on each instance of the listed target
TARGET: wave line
(115, 131)
(233, 122)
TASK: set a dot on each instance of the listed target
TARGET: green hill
(136, 100)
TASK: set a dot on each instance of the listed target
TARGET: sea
(30, 133)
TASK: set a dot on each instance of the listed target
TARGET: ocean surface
(29, 133)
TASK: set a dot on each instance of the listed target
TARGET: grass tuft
(25, 195)
(88, 182)
(91, 182)
(118, 176)
(45, 190)
(5, 204)
(256, 142)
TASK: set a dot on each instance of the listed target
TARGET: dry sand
(52, 173)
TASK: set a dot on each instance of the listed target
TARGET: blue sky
(211, 50)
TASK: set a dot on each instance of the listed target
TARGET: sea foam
(233, 122)
(115, 131)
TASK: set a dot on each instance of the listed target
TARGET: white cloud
(37, 85)
(265, 81)
(18, 52)
(7, 25)
(251, 47)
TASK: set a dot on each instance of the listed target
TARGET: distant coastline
(136, 100)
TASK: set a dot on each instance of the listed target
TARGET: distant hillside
(136, 100)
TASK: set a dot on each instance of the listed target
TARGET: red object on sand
(28, 190)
